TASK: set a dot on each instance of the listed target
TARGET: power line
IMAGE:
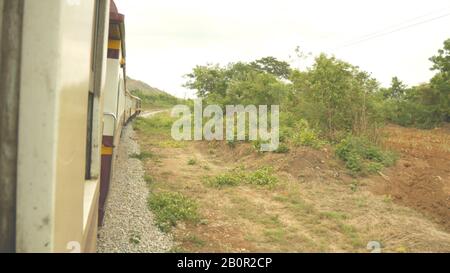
(398, 25)
(380, 34)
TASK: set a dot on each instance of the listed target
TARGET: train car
(133, 107)
(62, 108)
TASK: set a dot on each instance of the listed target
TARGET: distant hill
(135, 85)
(152, 98)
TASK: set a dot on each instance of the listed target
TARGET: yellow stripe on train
(107, 150)
(114, 44)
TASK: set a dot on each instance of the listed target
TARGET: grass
(261, 177)
(157, 100)
(135, 238)
(194, 240)
(142, 156)
(277, 235)
(224, 180)
(170, 208)
(334, 215)
(160, 123)
(354, 186)
(149, 179)
(192, 162)
(282, 149)
(170, 144)
(159, 128)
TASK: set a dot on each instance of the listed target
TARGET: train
(63, 104)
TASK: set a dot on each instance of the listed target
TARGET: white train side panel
(53, 206)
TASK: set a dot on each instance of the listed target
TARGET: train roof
(117, 26)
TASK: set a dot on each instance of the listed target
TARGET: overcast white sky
(167, 38)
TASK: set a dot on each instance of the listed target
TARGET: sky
(166, 39)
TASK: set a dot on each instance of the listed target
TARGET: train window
(92, 98)
(90, 124)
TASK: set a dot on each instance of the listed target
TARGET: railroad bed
(128, 225)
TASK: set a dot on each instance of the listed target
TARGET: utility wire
(380, 33)
(399, 24)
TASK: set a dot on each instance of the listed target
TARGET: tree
(335, 95)
(397, 89)
(207, 79)
(254, 83)
(441, 62)
(441, 81)
(273, 66)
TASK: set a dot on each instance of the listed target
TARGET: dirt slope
(421, 179)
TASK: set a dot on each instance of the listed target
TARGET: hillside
(134, 85)
(152, 98)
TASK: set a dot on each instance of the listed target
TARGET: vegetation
(152, 98)
(149, 179)
(156, 101)
(170, 208)
(329, 101)
(423, 106)
(142, 156)
(330, 106)
(192, 162)
(161, 122)
(361, 156)
(304, 135)
(135, 238)
(261, 177)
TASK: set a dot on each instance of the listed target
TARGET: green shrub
(192, 162)
(282, 149)
(261, 177)
(257, 145)
(225, 180)
(169, 208)
(354, 162)
(231, 144)
(135, 238)
(374, 167)
(304, 135)
(362, 156)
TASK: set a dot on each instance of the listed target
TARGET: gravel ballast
(128, 225)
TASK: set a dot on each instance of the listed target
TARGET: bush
(420, 106)
(304, 135)
(257, 145)
(192, 162)
(225, 180)
(361, 156)
(231, 144)
(282, 149)
(261, 177)
(169, 208)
